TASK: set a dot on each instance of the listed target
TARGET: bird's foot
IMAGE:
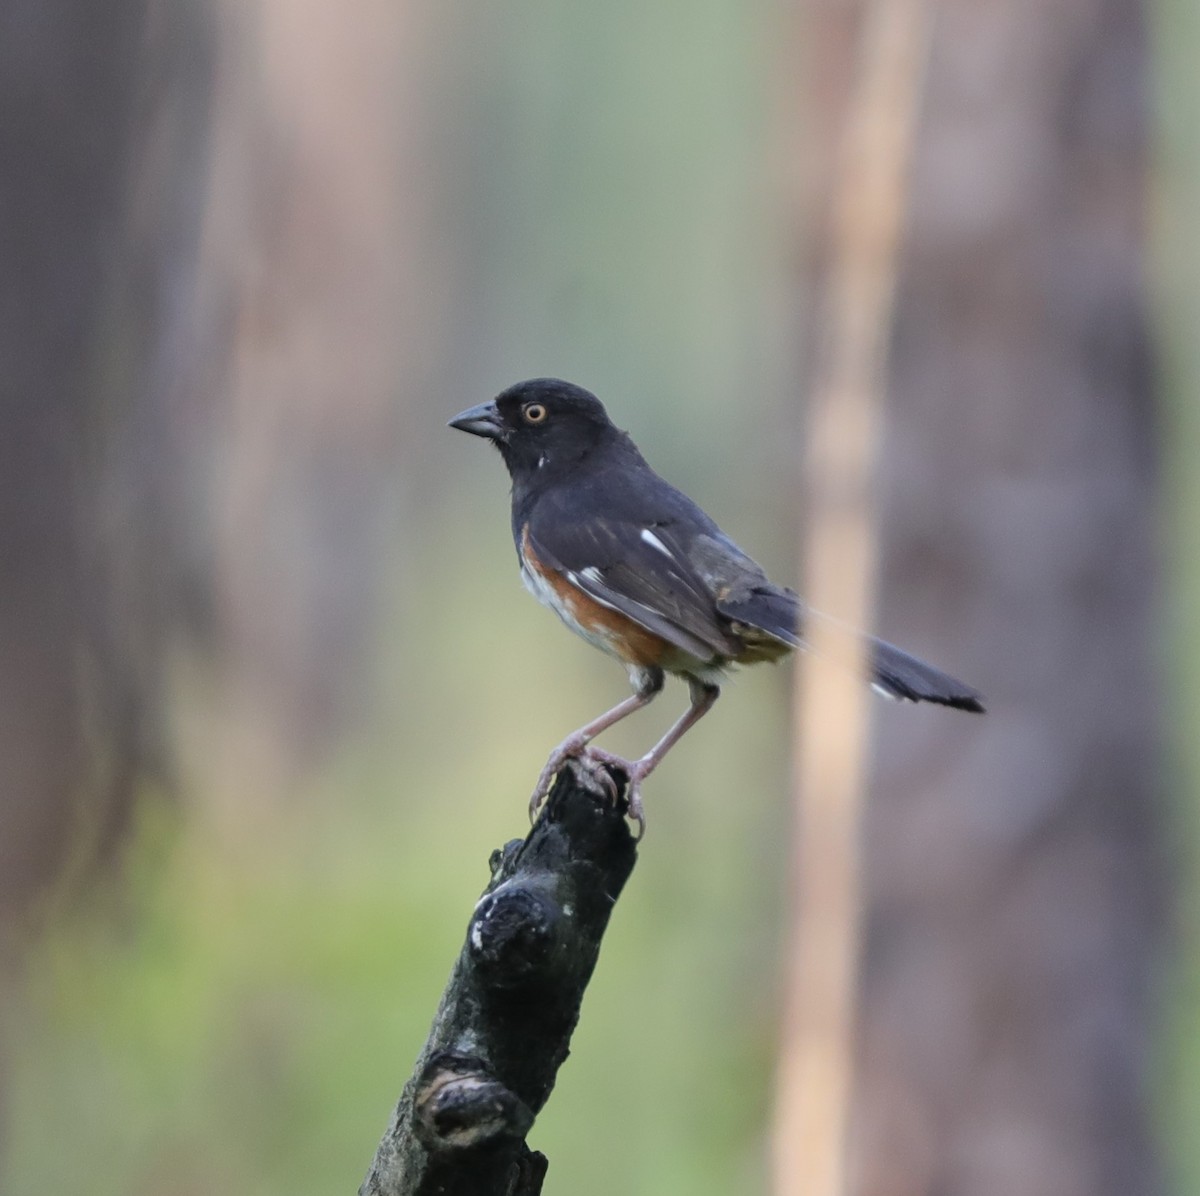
(635, 770)
(574, 747)
(594, 772)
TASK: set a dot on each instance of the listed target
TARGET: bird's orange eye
(534, 413)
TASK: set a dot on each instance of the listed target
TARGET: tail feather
(894, 672)
(900, 675)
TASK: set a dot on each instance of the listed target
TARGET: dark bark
(505, 1021)
(101, 147)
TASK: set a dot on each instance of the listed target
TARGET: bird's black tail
(893, 671)
(902, 676)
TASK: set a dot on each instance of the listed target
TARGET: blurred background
(270, 690)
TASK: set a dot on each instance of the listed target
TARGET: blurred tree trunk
(323, 284)
(201, 339)
(1015, 883)
(210, 294)
(103, 132)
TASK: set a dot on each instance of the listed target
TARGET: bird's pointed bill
(483, 420)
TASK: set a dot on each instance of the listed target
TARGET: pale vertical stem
(817, 1050)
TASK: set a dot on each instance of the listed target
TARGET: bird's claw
(636, 811)
(542, 789)
(594, 774)
(571, 748)
(633, 789)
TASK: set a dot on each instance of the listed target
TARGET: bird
(637, 569)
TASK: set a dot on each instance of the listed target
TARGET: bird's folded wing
(632, 570)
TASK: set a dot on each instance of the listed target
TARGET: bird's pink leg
(703, 697)
(575, 745)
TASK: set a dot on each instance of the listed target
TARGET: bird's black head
(540, 426)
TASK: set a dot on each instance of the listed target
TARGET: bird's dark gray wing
(627, 565)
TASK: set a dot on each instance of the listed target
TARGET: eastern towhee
(639, 570)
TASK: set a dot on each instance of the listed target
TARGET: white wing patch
(593, 575)
(648, 537)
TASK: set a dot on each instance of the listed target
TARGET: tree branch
(505, 1020)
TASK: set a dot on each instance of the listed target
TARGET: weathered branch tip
(504, 1023)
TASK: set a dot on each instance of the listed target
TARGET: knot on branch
(458, 1104)
(514, 933)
